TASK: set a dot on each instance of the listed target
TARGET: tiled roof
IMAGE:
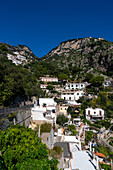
(100, 155)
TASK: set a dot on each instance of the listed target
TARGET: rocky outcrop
(87, 53)
(18, 55)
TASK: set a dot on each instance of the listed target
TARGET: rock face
(86, 53)
(18, 55)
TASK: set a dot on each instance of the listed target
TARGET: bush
(61, 119)
(46, 127)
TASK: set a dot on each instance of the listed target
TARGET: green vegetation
(105, 150)
(16, 81)
(111, 141)
(71, 110)
(88, 136)
(11, 116)
(72, 128)
(61, 119)
(63, 76)
(97, 81)
(104, 101)
(50, 87)
(56, 152)
(106, 167)
(21, 149)
(45, 127)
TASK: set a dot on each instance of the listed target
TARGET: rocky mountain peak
(20, 54)
(73, 44)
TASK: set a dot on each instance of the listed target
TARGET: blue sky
(43, 24)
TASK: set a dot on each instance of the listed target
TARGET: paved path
(81, 160)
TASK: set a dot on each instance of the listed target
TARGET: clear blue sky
(43, 24)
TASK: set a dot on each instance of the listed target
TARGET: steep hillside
(18, 55)
(88, 54)
(18, 82)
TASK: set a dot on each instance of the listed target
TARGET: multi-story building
(94, 114)
(75, 95)
(49, 79)
(75, 86)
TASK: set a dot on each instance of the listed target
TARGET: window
(61, 108)
(81, 85)
(88, 112)
(77, 93)
(69, 98)
(68, 85)
(76, 85)
(94, 112)
(65, 108)
(100, 113)
(72, 85)
(64, 98)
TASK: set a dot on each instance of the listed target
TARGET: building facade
(94, 114)
(75, 86)
(72, 95)
(49, 79)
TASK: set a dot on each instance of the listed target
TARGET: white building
(49, 79)
(75, 86)
(94, 114)
(72, 95)
(45, 112)
(43, 86)
(47, 102)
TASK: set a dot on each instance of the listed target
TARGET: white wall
(74, 86)
(94, 112)
(47, 101)
(72, 96)
(78, 94)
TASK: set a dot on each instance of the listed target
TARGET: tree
(97, 81)
(21, 149)
(50, 87)
(88, 136)
(88, 77)
(61, 119)
(63, 76)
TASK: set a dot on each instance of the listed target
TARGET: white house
(75, 86)
(49, 79)
(47, 102)
(94, 114)
(45, 112)
(43, 86)
(75, 95)
(37, 115)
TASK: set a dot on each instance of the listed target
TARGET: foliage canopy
(21, 149)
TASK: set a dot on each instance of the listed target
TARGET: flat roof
(66, 149)
(81, 160)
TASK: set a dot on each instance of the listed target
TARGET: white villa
(94, 114)
(75, 86)
(45, 111)
(75, 95)
(49, 79)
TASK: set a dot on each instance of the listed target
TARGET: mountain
(18, 55)
(88, 54)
